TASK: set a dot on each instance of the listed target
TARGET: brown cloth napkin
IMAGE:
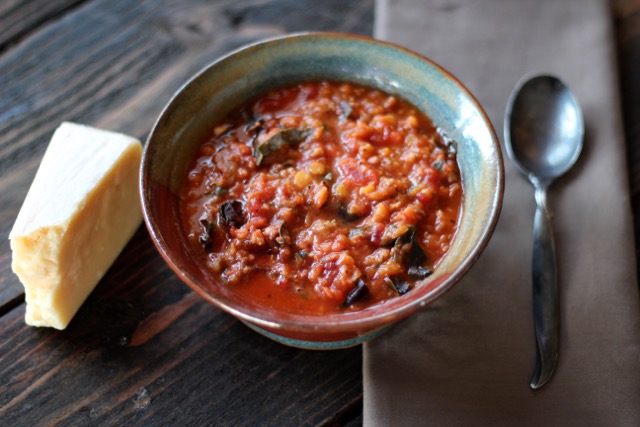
(466, 360)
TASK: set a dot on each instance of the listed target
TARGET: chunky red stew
(323, 197)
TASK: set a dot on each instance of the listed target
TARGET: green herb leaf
(217, 190)
(288, 136)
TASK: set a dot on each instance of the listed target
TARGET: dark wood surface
(144, 349)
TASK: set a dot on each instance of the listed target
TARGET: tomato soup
(322, 197)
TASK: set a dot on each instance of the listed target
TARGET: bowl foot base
(318, 345)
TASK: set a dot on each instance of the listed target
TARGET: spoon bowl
(543, 132)
(543, 128)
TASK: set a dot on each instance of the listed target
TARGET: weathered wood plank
(144, 349)
(19, 17)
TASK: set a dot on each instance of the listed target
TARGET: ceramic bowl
(231, 80)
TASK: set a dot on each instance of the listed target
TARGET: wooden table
(144, 349)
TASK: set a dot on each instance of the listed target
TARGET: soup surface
(322, 197)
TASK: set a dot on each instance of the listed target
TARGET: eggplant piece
(409, 236)
(232, 213)
(416, 256)
(205, 238)
(418, 272)
(358, 293)
(400, 286)
(414, 259)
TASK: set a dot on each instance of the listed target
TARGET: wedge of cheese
(81, 210)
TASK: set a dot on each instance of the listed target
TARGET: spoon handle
(545, 293)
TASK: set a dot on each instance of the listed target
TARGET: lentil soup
(322, 197)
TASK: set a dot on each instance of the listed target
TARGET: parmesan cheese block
(81, 210)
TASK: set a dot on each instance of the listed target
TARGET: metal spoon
(543, 132)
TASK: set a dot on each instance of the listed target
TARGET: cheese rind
(81, 210)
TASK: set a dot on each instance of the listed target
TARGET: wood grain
(18, 17)
(144, 350)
